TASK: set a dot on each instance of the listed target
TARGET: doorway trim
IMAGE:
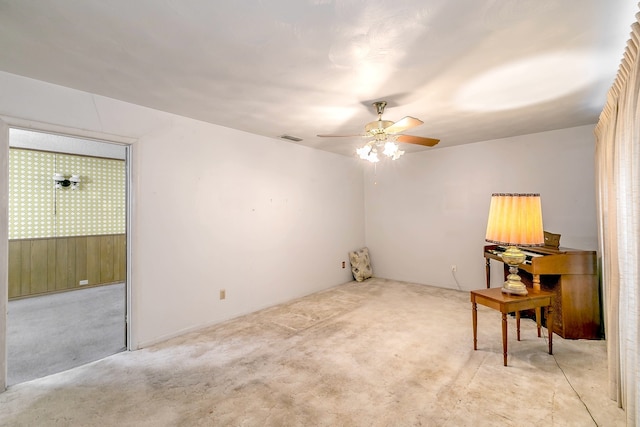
(10, 122)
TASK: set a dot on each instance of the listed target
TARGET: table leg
(549, 311)
(504, 338)
(538, 321)
(474, 315)
(518, 324)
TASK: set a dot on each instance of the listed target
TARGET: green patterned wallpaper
(37, 209)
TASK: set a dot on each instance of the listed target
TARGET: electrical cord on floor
(544, 335)
(453, 273)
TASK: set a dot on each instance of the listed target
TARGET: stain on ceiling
(472, 70)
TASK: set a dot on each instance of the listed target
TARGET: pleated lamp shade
(515, 220)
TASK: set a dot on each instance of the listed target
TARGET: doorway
(67, 257)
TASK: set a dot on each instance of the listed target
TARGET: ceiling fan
(385, 133)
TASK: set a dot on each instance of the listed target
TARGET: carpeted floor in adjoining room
(377, 353)
(51, 333)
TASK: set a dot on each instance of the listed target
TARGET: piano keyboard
(532, 254)
(528, 254)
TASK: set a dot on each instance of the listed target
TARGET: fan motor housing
(378, 126)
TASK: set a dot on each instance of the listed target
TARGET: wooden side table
(505, 303)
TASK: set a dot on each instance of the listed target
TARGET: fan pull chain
(375, 174)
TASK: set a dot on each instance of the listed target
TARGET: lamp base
(513, 257)
(514, 287)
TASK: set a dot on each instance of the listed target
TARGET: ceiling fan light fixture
(363, 152)
(368, 152)
(385, 134)
(373, 157)
(392, 150)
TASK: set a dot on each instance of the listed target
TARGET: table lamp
(515, 220)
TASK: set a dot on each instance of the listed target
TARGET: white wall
(428, 210)
(214, 208)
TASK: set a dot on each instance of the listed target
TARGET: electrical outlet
(223, 294)
(454, 268)
(343, 264)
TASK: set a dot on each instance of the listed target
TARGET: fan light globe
(390, 149)
(363, 152)
(373, 157)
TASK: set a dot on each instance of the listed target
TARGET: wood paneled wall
(38, 266)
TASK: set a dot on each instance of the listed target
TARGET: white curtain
(618, 187)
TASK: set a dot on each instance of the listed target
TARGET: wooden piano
(572, 275)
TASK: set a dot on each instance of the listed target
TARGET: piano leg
(487, 270)
(549, 311)
(536, 283)
(474, 318)
(536, 289)
(504, 338)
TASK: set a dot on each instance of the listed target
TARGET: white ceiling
(472, 70)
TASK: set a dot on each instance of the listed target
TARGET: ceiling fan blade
(341, 136)
(419, 140)
(403, 124)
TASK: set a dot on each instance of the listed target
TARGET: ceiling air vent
(291, 138)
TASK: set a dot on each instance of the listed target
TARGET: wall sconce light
(60, 181)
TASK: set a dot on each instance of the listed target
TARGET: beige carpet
(378, 353)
